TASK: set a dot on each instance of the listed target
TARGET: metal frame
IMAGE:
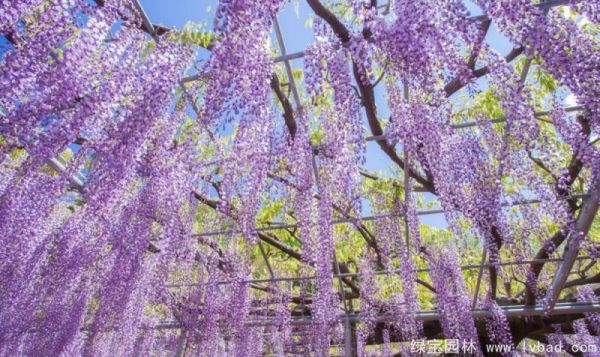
(433, 315)
(276, 227)
(379, 272)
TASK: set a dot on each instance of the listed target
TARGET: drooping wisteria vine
(568, 54)
(455, 313)
(153, 204)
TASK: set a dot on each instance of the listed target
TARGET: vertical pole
(181, 344)
(582, 226)
(264, 255)
(286, 62)
(348, 343)
(479, 276)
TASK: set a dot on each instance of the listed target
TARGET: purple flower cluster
(394, 244)
(572, 133)
(585, 294)
(11, 13)
(240, 70)
(59, 263)
(327, 69)
(422, 42)
(472, 185)
(498, 328)
(569, 55)
(369, 305)
(452, 299)
(589, 9)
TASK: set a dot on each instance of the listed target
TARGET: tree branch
(583, 281)
(288, 111)
(272, 240)
(336, 25)
(368, 95)
(457, 84)
(485, 26)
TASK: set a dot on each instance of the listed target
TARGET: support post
(479, 276)
(348, 343)
(582, 226)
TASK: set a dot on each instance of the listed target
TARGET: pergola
(527, 318)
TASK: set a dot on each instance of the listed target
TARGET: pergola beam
(276, 227)
(430, 315)
(148, 26)
(383, 272)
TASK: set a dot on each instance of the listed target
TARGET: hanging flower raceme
(471, 186)
(589, 9)
(240, 66)
(361, 49)
(240, 70)
(166, 188)
(568, 54)
(420, 42)
(521, 124)
(392, 242)
(253, 150)
(498, 328)
(573, 132)
(585, 294)
(66, 81)
(123, 271)
(127, 269)
(93, 108)
(369, 306)
(53, 187)
(453, 303)
(314, 216)
(34, 56)
(323, 310)
(113, 214)
(301, 167)
(419, 124)
(209, 314)
(281, 332)
(342, 151)
(29, 216)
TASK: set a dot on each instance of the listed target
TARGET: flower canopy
(203, 192)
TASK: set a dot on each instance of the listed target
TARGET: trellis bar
(371, 218)
(379, 272)
(145, 20)
(429, 315)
